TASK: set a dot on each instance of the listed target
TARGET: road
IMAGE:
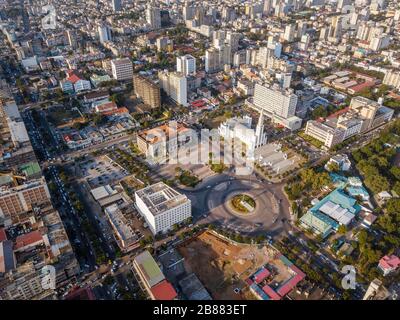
(209, 204)
(61, 198)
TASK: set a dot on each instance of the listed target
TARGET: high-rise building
(212, 60)
(116, 5)
(104, 33)
(225, 55)
(232, 39)
(71, 36)
(277, 104)
(289, 32)
(147, 90)
(239, 58)
(153, 17)
(280, 102)
(392, 78)
(175, 86)
(162, 43)
(186, 64)
(264, 53)
(228, 14)
(342, 3)
(122, 69)
(23, 198)
(267, 7)
(188, 12)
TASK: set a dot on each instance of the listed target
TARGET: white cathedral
(239, 130)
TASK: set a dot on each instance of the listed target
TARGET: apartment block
(122, 69)
(175, 86)
(147, 90)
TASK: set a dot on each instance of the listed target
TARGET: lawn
(311, 140)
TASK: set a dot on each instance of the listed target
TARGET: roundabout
(259, 206)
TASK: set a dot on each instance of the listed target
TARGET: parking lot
(101, 171)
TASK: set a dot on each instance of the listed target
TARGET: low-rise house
(389, 264)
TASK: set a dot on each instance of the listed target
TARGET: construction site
(222, 265)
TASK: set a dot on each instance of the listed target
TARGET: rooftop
(165, 132)
(149, 268)
(160, 197)
(164, 291)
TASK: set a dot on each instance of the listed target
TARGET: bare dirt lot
(222, 265)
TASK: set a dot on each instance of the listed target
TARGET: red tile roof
(261, 275)
(389, 262)
(116, 111)
(27, 239)
(271, 293)
(338, 113)
(163, 291)
(73, 78)
(360, 87)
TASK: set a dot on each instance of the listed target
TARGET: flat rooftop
(160, 197)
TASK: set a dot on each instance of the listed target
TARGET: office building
(186, 65)
(147, 90)
(116, 5)
(122, 69)
(153, 17)
(162, 207)
(362, 116)
(277, 104)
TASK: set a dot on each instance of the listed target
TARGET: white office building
(277, 104)
(122, 69)
(186, 64)
(162, 207)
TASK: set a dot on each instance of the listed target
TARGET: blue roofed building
(327, 215)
